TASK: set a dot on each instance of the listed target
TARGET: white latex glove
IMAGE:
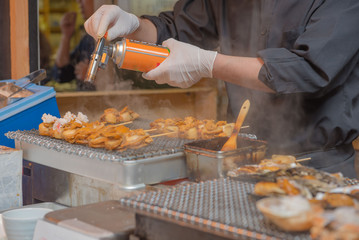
(113, 19)
(185, 65)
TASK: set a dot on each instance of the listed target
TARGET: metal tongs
(33, 77)
(9, 90)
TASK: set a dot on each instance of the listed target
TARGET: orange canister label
(143, 57)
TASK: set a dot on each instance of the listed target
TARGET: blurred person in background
(45, 56)
(297, 61)
(73, 64)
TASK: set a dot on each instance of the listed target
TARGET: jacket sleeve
(326, 50)
(191, 21)
(64, 74)
(80, 53)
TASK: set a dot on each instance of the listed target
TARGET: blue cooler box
(26, 113)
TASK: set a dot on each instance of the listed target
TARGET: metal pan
(10, 92)
(206, 161)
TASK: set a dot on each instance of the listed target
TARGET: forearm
(146, 32)
(63, 53)
(242, 71)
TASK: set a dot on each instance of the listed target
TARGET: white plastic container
(10, 178)
(19, 224)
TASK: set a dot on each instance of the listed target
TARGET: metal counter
(215, 209)
(73, 174)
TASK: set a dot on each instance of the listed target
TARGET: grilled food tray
(159, 147)
(206, 161)
(160, 161)
(221, 207)
(293, 172)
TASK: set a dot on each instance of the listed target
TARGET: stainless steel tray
(160, 161)
(111, 220)
(206, 161)
(221, 207)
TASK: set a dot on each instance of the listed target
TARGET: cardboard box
(26, 113)
(10, 178)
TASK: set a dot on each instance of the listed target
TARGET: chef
(297, 61)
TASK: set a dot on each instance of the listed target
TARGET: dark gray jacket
(310, 50)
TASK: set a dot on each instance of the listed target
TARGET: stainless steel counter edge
(133, 174)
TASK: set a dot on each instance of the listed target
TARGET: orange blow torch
(127, 54)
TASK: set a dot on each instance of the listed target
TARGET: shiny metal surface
(34, 77)
(118, 52)
(205, 159)
(95, 60)
(160, 161)
(221, 207)
(160, 146)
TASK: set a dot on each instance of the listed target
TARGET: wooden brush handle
(231, 143)
(241, 116)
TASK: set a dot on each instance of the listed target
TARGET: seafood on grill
(307, 176)
(283, 175)
(334, 200)
(275, 163)
(319, 187)
(192, 128)
(112, 115)
(77, 129)
(287, 166)
(352, 190)
(54, 127)
(290, 213)
(46, 127)
(135, 139)
(338, 197)
(282, 187)
(296, 213)
(114, 137)
(81, 135)
(341, 223)
(109, 137)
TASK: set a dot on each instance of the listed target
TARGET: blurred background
(52, 11)
(116, 87)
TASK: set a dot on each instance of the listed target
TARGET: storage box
(26, 113)
(10, 178)
(206, 161)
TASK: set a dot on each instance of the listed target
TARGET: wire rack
(159, 147)
(221, 206)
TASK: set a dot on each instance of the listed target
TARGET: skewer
(303, 159)
(169, 133)
(151, 130)
(163, 134)
(124, 123)
(154, 129)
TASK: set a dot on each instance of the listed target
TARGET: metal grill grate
(221, 205)
(351, 181)
(160, 146)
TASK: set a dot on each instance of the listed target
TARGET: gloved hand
(185, 65)
(113, 19)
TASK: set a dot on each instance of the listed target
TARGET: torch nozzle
(95, 60)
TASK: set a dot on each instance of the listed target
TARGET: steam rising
(112, 91)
